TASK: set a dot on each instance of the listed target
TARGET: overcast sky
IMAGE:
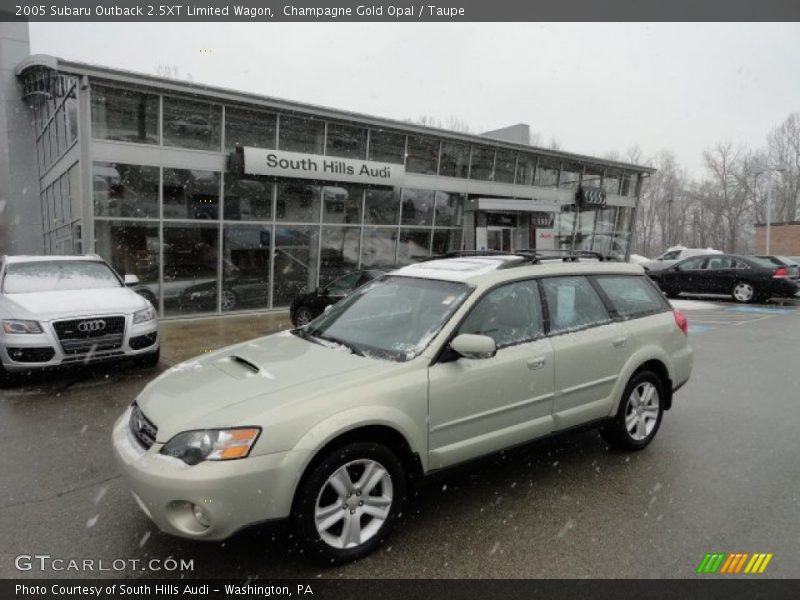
(595, 87)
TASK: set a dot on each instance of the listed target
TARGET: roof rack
(524, 257)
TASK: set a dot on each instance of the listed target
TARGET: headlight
(17, 326)
(144, 315)
(193, 447)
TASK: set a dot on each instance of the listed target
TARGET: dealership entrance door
(499, 238)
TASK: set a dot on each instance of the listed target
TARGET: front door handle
(619, 342)
(537, 363)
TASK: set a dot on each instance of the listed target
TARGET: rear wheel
(350, 501)
(744, 292)
(639, 415)
(303, 316)
(148, 361)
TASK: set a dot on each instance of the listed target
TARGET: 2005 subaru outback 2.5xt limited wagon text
(426, 367)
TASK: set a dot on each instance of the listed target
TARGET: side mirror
(131, 279)
(470, 345)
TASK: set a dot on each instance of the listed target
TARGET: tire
(229, 300)
(636, 424)
(302, 316)
(744, 292)
(336, 490)
(148, 361)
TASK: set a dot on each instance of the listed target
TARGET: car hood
(232, 386)
(47, 306)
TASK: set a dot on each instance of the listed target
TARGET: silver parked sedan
(63, 310)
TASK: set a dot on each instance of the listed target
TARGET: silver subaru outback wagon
(427, 367)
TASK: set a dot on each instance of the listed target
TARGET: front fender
(362, 416)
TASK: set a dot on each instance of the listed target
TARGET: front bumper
(32, 351)
(233, 494)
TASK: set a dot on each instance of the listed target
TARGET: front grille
(142, 428)
(96, 334)
(143, 341)
(31, 355)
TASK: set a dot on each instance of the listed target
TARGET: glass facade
(192, 124)
(210, 240)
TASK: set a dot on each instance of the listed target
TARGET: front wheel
(349, 502)
(744, 292)
(639, 415)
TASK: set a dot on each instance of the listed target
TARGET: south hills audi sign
(280, 163)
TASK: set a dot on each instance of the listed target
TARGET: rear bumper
(27, 352)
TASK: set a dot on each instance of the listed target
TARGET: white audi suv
(65, 310)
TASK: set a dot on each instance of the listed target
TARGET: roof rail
(525, 257)
(468, 253)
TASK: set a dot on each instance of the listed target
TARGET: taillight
(781, 272)
(680, 321)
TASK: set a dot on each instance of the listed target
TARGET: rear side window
(632, 296)
(572, 303)
(510, 314)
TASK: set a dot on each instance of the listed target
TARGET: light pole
(770, 170)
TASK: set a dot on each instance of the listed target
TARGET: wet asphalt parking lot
(722, 475)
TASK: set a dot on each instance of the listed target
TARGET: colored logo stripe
(734, 562)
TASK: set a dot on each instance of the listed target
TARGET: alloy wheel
(641, 412)
(353, 504)
(303, 316)
(228, 300)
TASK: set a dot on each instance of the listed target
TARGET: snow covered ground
(692, 304)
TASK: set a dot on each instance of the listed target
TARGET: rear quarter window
(632, 296)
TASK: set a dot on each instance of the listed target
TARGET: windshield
(58, 275)
(392, 318)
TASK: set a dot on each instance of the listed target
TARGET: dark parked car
(307, 307)
(746, 278)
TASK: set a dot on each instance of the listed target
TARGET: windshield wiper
(347, 345)
(321, 339)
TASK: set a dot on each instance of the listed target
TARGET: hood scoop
(239, 367)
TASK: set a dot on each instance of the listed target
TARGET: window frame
(613, 316)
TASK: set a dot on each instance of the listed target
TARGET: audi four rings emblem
(87, 326)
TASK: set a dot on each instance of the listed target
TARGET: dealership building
(220, 200)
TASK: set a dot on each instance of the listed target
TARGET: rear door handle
(619, 342)
(537, 363)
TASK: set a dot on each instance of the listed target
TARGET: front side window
(392, 318)
(573, 304)
(632, 296)
(58, 275)
(510, 314)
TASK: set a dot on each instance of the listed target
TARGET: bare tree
(783, 149)
(451, 123)
(172, 72)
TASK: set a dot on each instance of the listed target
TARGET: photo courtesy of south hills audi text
(145, 590)
(192, 11)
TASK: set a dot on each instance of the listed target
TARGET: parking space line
(761, 318)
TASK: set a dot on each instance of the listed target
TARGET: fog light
(201, 516)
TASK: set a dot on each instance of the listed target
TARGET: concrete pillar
(20, 207)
